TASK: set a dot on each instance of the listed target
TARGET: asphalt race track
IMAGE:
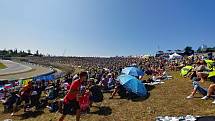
(16, 70)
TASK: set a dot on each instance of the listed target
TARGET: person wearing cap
(72, 97)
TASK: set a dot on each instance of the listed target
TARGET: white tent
(175, 56)
(145, 56)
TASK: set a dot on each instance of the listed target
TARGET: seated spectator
(211, 90)
(110, 81)
(54, 106)
(104, 83)
(8, 103)
(120, 90)
(164, 75)
(96, 94)
(52, 93)
(202, 71)
(34, 97)
(197, 87)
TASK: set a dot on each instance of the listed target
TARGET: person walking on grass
(71, 100)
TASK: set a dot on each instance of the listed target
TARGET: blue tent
(133, 84)
(46, 77)
(133, 71)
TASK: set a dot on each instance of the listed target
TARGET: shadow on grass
(30, 114)
(149, 87)
(10, 110)
(134, 98)
(198, 97)
(104, 110)
(141, 98)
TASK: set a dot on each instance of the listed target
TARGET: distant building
(169, 52)
(159, 53)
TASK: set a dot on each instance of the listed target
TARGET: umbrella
(133, 71)
(210, 64)
(133, 84)
(211, 74)
(209, 61)
(185, 70)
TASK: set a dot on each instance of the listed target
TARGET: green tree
(37, 53)
(188, 50)
(29, 52)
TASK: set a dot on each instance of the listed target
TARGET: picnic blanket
(186, 118)
(181, 118)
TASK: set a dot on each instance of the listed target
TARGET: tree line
(21, 53)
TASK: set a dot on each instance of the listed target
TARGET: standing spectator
(72, 97)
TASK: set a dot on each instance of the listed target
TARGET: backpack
(97, 95)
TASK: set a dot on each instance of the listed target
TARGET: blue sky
(106, 27)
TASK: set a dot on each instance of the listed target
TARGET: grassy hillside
(2, 66)
(168, 99)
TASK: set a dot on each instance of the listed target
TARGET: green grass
(2, 66)
(167, 99)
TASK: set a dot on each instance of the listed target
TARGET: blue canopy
(133, 84)
(46, 77)
(133, 71)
